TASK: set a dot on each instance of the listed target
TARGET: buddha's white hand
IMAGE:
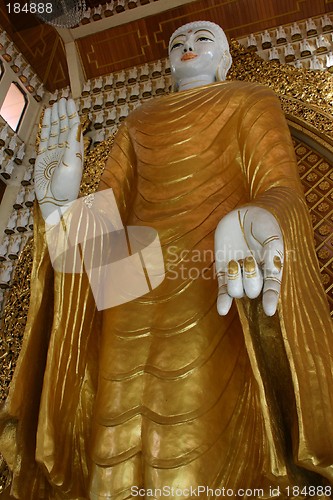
(59, 162)
(249, 252)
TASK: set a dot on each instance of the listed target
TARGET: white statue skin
(59, 163)
(199, 54)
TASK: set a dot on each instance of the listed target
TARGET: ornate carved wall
(316, 173)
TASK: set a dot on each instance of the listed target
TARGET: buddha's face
(196, 49)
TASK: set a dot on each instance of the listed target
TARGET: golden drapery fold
(162, 391)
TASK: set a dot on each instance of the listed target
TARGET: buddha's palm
(249, 252)
(59, 162)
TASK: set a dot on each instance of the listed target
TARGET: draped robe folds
(162, 391)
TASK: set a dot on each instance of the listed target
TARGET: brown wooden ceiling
(40, 44)
(146, 40)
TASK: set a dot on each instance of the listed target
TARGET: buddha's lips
(188, 55)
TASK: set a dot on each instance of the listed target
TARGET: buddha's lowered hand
(249, 252)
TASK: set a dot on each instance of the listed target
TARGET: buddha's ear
(224, 66)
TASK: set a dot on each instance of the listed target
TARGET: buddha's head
(199, 54)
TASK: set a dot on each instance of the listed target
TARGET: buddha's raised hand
(59, 162)
(249, 253)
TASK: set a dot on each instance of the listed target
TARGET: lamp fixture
(60, 13)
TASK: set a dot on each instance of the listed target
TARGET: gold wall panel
(316, 173)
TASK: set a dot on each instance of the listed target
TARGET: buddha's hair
(226, 59)
(198, 24)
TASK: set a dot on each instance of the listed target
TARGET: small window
(14, 106)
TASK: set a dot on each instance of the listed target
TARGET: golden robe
(162, 392)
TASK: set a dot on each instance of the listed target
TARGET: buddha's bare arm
(249, 253)
(59, 162)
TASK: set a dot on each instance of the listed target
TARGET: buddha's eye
(176, 45)
(204, 39)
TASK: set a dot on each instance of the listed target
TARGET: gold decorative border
(318, 123)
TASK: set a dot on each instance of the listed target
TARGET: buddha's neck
(194, 81)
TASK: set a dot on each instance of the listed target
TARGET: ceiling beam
(121, 18)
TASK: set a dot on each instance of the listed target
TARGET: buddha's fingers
(252, 278)
(235, 280)
(224, 300)
(73, 157)
(72, 162)
(64, 122)
(73, 117)
(273, 277)
(55, 128)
